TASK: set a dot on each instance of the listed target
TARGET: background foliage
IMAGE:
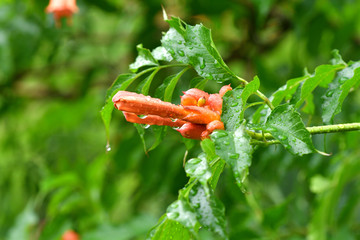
(55, 173)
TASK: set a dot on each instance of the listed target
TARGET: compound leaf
(193, 45)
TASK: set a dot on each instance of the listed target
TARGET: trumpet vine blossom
(62, 8)
(196, 117)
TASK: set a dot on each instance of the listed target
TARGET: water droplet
(220, 134)
(210, 76)
(217, 64)
(146, 126)
(272, 129)
(226, 143)
(234, 156)
(179, 42)
(202, 63)
(343, 79)
(282, 137)
(329, 93)
(234, 104)
(171, 51)
(181, 53)
(108, 147)
(191, 48)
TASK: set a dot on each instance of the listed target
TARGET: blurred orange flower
(62, 8)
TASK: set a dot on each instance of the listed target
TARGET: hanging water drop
(108, 147)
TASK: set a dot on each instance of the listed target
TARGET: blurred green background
(55, 172)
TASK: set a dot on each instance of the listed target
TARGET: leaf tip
(165, 16)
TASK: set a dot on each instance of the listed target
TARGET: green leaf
(198, 168)
(193, 45)
(283, 93)
(231, 109)
(169, 229)
(141, 131)
(144, 58)
(285, 125)
(121, 83)
(234, 147)
(182, 212)
(161, 54)
(209, 210)
(216, 164)
(250, 89)
(286, 91)
(144, 86)
(338, 90)
(198, 82)
(322, 77)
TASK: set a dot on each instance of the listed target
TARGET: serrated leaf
(144, 58)
(193, 45)
(209, 210)
(169, 229)
(234, 147)
(181, 211)
(285, 125)
(322, 77)
(161, 54)
(231, 109)
(198, 168)
(338, 90)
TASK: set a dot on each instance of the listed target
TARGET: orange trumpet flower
(197, 116)
(62, 8)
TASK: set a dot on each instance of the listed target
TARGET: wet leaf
(144, 58)
(193, 45)
(169, 229)
(235, 149)
(285, 125)
(209, 210)
(232, 108)
(161, 54)
(181, 211)
(338, 90)
(323, 75)
(198, 168)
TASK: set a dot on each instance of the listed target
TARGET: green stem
(258, 138)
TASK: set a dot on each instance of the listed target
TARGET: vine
(277, 120)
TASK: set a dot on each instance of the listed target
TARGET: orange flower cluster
(62, 8)
(197, 116)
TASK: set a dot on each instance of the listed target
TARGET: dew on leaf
(343, 79)
(181, 53)
(329, 93)
(234, 104)
(282, 137)
(234, 155)
(202, 63)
